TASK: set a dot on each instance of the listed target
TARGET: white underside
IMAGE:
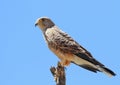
(81, 61)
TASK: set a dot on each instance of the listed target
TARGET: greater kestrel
(67, 49)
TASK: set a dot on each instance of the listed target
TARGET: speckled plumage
(67, 49)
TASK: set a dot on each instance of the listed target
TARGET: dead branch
(59, 74)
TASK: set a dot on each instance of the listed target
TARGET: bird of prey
(67, 49)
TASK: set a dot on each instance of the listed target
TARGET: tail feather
(94, 67)
(107, 71)
(88, 67)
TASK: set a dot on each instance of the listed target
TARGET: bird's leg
(65, 63)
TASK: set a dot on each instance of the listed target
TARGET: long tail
(93, 66)
(106, 71)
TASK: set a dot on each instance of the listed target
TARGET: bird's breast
(54, 41)
(61, 54)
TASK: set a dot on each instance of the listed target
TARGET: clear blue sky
(24, 56)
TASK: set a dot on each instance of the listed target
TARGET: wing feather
(69, 45)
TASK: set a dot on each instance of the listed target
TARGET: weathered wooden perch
(59, 74)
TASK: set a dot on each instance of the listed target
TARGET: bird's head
(44, 23)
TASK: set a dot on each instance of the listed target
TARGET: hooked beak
(36, 24)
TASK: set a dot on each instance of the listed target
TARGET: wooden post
(59, 74)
